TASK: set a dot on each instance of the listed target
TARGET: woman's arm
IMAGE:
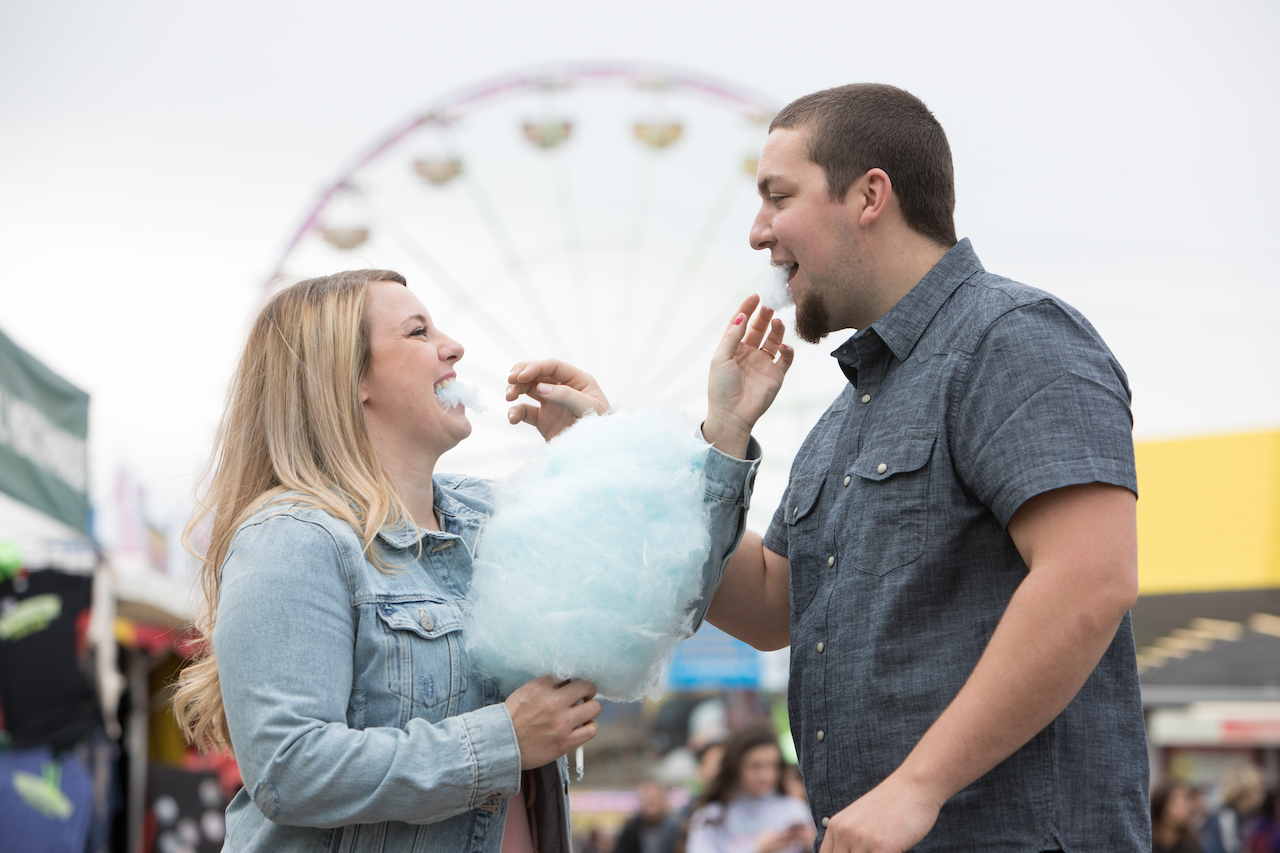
(285, 640)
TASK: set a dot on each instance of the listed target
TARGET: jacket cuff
(731, 479)
(495, 752)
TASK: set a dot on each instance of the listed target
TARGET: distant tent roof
(1246, 669)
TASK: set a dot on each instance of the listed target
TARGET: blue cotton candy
(591, 563)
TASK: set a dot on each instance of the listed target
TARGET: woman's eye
(421, 330)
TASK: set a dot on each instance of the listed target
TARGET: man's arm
(1080, 543)
(753, 601)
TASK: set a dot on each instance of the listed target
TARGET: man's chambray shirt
(971, 395)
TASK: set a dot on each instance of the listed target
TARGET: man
(647, 831)
(955, 556)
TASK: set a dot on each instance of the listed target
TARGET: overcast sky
(155, 157)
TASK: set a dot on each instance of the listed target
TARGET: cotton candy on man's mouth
(776, 294)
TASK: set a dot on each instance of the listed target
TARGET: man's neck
(900, 260)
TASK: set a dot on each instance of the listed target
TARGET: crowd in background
(746, 799)
(1243, 821)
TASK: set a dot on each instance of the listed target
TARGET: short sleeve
(1044, 404)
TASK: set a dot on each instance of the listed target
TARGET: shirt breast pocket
(804, 538)
(892, 501)
(424, 651)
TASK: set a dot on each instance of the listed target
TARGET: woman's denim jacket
(355, 717)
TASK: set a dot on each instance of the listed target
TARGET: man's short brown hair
(864, 126)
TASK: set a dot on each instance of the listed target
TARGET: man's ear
(876, 189)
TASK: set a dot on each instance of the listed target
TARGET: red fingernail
(783, 346)
(737, 321)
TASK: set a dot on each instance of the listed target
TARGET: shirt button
(825, 821)
(847, 479)
(821, 646)
(881, 468)
(831, 561)
(427, 623)
(822, 735)
(795, 511)
(866, 398)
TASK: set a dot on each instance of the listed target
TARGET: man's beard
(812, 320)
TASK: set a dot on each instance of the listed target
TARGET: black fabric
(43, 689)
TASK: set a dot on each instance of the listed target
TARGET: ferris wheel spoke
(700, 343)
(573, 247)
(679, 291)
(635, 238)
(491, 326)
(533, 297)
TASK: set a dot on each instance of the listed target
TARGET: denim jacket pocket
(424, 652)
(804, 538)
(893, 501)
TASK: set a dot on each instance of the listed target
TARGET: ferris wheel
(597, 213)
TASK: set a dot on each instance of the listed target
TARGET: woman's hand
(564, 392)
(775, 841)
(552, 718)
(744, 377)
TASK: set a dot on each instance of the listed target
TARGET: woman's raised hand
(746, 372)
(564, 393)
(552, 718)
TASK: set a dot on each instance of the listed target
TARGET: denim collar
(902, 325)
(456, 520)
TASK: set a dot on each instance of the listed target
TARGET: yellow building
(1209, 514)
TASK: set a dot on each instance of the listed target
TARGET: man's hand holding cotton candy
(564, 393)
(746, 372)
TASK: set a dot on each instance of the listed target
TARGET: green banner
(44, 430)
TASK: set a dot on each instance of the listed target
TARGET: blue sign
(712, 660)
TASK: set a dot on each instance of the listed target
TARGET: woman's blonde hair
(293, 423)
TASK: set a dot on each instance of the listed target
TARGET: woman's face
(1179, 806)
(760, 771)
(409, 358)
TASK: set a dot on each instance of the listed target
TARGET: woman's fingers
(773, 341)
(736, 331)
(523, 413)
(758, 328)
(786, 355)
(572, 399)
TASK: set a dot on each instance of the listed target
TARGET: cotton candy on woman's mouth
(463, 393)
(591, 564)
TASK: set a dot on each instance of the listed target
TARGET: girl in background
(745, 810)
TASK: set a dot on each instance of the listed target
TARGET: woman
(333, 580)
(1173, 806)
(1241, 792)
(745, 809)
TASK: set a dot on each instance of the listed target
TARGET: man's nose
(761, 235)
